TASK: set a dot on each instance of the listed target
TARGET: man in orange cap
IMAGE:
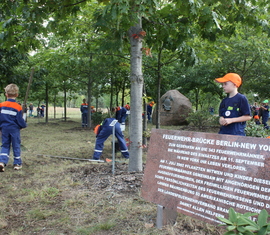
(234, 110)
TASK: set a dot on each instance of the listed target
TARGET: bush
(254, 130)
(202, 118)
(98, 117)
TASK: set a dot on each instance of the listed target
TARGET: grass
(55, 196)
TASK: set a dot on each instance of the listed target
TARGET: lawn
(51, 195)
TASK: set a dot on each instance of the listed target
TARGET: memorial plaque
(203, 174)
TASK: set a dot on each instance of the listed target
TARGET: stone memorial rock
(174, 109)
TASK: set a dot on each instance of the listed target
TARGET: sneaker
(17, 167)
(2, 167)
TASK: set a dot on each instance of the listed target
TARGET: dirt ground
(123, 184)
(52, 196)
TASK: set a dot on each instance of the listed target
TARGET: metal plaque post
(113, 143)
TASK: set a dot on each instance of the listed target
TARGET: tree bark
(136, 78)
(65, 102)
(89, 97)
(89, 92)
(158, 90)
(145, 116)
(47, 103)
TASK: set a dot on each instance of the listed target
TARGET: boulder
(174, 109)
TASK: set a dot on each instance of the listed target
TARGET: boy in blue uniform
(234, 110)
(120, 116)
(84, 111)
(11, 121)
(105, 130)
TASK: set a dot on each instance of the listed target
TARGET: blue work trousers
(11, 136)
(103, 136)
(264, 121)
(84, 119)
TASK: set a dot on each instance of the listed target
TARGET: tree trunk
(47, 103)
(196, 98)
(89, 92)
(111, 96)
(96, 103)
(123, 93)
(145, 116)
(65, 102)
(158, 90)
(54, 106)
(116, 98)
(136, 78)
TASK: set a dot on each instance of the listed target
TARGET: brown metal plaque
(203, 174)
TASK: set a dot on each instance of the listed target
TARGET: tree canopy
(116, 47)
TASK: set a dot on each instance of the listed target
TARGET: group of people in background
(30, 109)
(260, 113)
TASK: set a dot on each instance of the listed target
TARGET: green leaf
(241, 229)
(229, 233)
(250, 214)
(252, 228)
(232, 215)
(248, 233)
(262, 218)
(262, 231)
(224, 220)
(244, 221)
(230, 228)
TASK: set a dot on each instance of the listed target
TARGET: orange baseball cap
(232, 77)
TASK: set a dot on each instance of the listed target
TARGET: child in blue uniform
(11, 121)
(149, 110)
(84, 111)
(120, 116)
(105, 130)
(234, 110)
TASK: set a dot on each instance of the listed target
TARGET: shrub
(254, 130)
(98, 117)
(202, 118)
